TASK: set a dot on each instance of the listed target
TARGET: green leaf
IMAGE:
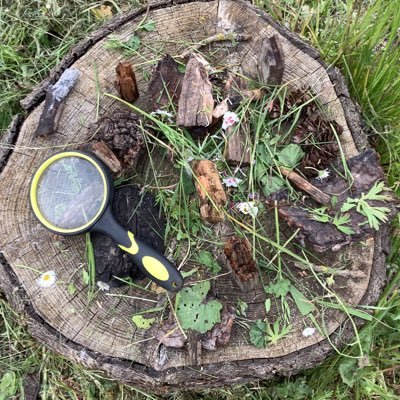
(349, 310)
(267, 305)
(340, 220)
(304, 306)
(290, 155)
(193, 312)
(275, 333)
(8, 385)
(71, 289)
(373, 193)
(208, 260)
(279, 289)
(271, 184)
(85, 276)
(258, 335)
(320, 214)
(149, 26)
(347, 206)
(348, 369)
(241, 307)
(142, 322)
(134, 43)
(187, 183)
(186, 274)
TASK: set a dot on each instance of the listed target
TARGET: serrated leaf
(258, 335)
(304, 306)
(149, 26)
(142, 322)
(271, 184)
(279, 289)
(340, 220)
(275, 333)
(208, 260)
(373, 193)
(290, 155)
(193, 313)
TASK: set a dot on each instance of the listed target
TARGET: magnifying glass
(71, 193)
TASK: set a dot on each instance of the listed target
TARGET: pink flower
(230, 118)
(231, 181)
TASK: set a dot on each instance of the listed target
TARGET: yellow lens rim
(34, 186)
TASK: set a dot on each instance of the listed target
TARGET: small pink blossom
(231, 181)
(230, 118)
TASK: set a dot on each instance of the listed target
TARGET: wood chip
(239, 259)
(125, 82)
(210, 190)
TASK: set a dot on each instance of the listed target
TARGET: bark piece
(365, 170)
(237, 152)
(196, 103)
(317, 194)
(166, 83)
(121, 133)
(102, 151)
(210, 190)
(221, 332)
(53, 104)
(125, 82)
(31, 386)
(240, 261)
(270, 64)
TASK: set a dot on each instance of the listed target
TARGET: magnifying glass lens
(70, 192)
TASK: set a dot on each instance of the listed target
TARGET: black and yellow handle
(152, 263)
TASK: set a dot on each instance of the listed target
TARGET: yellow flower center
(46, 277)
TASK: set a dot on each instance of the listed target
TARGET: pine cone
(121, 133)
(317, 139)
(292, 100)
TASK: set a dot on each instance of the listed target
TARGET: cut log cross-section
(101, 335)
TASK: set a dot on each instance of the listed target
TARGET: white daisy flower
(105, 287)
(231, 181)
(323, 174)
(47, 279)
(230, 118)
(307, 332)
(248, 207)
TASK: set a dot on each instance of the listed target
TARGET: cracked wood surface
(103, 329)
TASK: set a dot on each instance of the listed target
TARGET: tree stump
(103, 337)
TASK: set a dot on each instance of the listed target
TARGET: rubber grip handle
(151, 262)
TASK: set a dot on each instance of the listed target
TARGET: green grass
(362, 39)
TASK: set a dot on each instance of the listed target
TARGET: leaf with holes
(194, 312)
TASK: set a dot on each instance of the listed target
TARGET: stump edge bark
(217, 374)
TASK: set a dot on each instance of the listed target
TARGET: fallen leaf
(142, 322)
(102, 12)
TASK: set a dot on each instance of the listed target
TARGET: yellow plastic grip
(134, 248)
(155, 268)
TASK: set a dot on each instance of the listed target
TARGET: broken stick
(240, 262)
(210, 190)
(125, 82)
(307, 187)
(102, 151)
(218, 37)
(53, 104)
(196, 103)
